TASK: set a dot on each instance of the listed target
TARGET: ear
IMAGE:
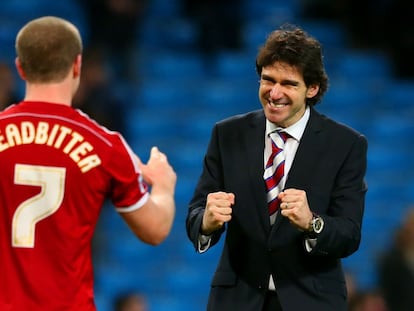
(77, 64)
(312, 91)
(20, 69)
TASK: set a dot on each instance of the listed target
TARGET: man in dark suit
(290, 259)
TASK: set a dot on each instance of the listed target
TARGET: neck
(58, 93)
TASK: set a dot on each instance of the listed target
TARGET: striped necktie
(274, 171)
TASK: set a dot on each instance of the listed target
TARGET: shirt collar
(295, 130)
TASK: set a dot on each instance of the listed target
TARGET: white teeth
(277, 105)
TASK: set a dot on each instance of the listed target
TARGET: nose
(276, 91)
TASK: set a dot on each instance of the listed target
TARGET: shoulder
(334, 128)
(335, 135)
(98, 133)
(252, 117)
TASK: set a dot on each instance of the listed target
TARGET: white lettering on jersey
(60, 137)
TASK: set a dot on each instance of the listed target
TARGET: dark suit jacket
(329, 165)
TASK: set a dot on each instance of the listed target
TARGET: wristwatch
(316, 224)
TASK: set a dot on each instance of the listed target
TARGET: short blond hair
(47, 47)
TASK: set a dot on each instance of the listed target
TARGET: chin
(273, 117)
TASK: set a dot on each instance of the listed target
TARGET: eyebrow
(286, 81)
(266, 77)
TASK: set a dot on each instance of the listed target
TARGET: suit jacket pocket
(224, 278)
(331, 286)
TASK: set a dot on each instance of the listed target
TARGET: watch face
(318, 225)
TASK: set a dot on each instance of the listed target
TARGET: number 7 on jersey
(52, 184)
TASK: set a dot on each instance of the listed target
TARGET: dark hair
(293, 46)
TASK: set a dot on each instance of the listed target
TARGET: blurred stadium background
(177, 99)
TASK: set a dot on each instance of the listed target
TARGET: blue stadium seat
(398, 96)
(331, 34)
(170, 66)
(237, 67)
(269, 10)
(367, 67)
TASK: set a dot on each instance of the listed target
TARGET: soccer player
(58, 167)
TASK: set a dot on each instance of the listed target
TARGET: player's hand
(218, 211)
(294, 205)
(158, 171)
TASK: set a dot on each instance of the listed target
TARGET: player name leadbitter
(60, 137)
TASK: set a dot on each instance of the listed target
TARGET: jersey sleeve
(128, 190)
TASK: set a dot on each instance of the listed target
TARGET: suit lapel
(308, 153)
(255, 147)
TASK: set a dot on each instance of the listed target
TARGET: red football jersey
(57, 167)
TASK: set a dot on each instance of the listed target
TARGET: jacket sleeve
(211, 180)
(343, 218)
